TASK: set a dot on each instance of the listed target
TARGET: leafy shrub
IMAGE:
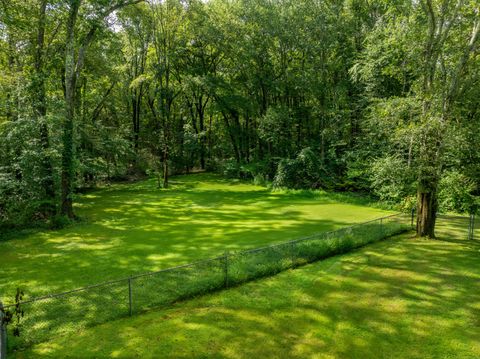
(212, 165)
(391, 178)
(231, 169)
(305, 171)
(455, 193)
(259, 180)
(357, 173)
(23, 198)
(261, 172)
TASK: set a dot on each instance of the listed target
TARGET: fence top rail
(204, 261)
(115, 281)
(452, 216)
(315, 235)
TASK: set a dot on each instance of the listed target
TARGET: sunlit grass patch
(134, 228)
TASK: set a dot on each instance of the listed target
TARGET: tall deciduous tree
(444, 69)
(74, 62)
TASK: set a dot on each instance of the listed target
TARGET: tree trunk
(40, 107)
(202, 140)
(165, 167)
(70, 84)
(426, 213)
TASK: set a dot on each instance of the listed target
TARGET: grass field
(381, 301)
(400, 298)
(135, 228)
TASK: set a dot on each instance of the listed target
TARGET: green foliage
(276, 127)
(261, 172)
(391, 179)
(305, 171)
(456, 193)
(12, 317)
(22, 195)
(235, 87)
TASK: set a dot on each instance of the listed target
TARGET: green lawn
(397, 298)
(135, 228)
(400, 298)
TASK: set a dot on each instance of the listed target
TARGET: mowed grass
(400, 298)
(133, 228)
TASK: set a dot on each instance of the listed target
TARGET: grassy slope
(401, 298)
(138, 228)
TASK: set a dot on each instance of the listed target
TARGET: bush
(391, 179)
(261, 172)
(259, 180)
(303, 172)
(455, 193)
(231, 169)
(23, 198)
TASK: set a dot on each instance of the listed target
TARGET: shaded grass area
(401, 298)
(70, 312)
(135, 228)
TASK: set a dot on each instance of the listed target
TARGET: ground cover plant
(135, 228)
(397, 298)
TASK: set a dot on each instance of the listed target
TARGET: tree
(74, 62)
(163, 89)
(443, 76)
(430, 74)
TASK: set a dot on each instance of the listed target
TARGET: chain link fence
(459, 227)
(58, 314)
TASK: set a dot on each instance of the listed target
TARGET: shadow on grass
(137, 228)
(402, 298)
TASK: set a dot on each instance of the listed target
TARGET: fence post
(3, 335)
(469, 236)
(292, 248)
(225, 269)
(382, 234)
(471, 226)
(130, 311)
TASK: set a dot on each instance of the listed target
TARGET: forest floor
(134, 228)
(399, 298)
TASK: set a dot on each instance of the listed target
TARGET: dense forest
(379, 97)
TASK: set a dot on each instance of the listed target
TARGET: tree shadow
(403, 297)
(137, 228)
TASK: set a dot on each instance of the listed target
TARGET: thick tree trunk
(426, 213)
(439, 27)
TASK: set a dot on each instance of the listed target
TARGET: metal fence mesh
(68, 312)
(168, 286)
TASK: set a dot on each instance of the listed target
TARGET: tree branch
(464, 59)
